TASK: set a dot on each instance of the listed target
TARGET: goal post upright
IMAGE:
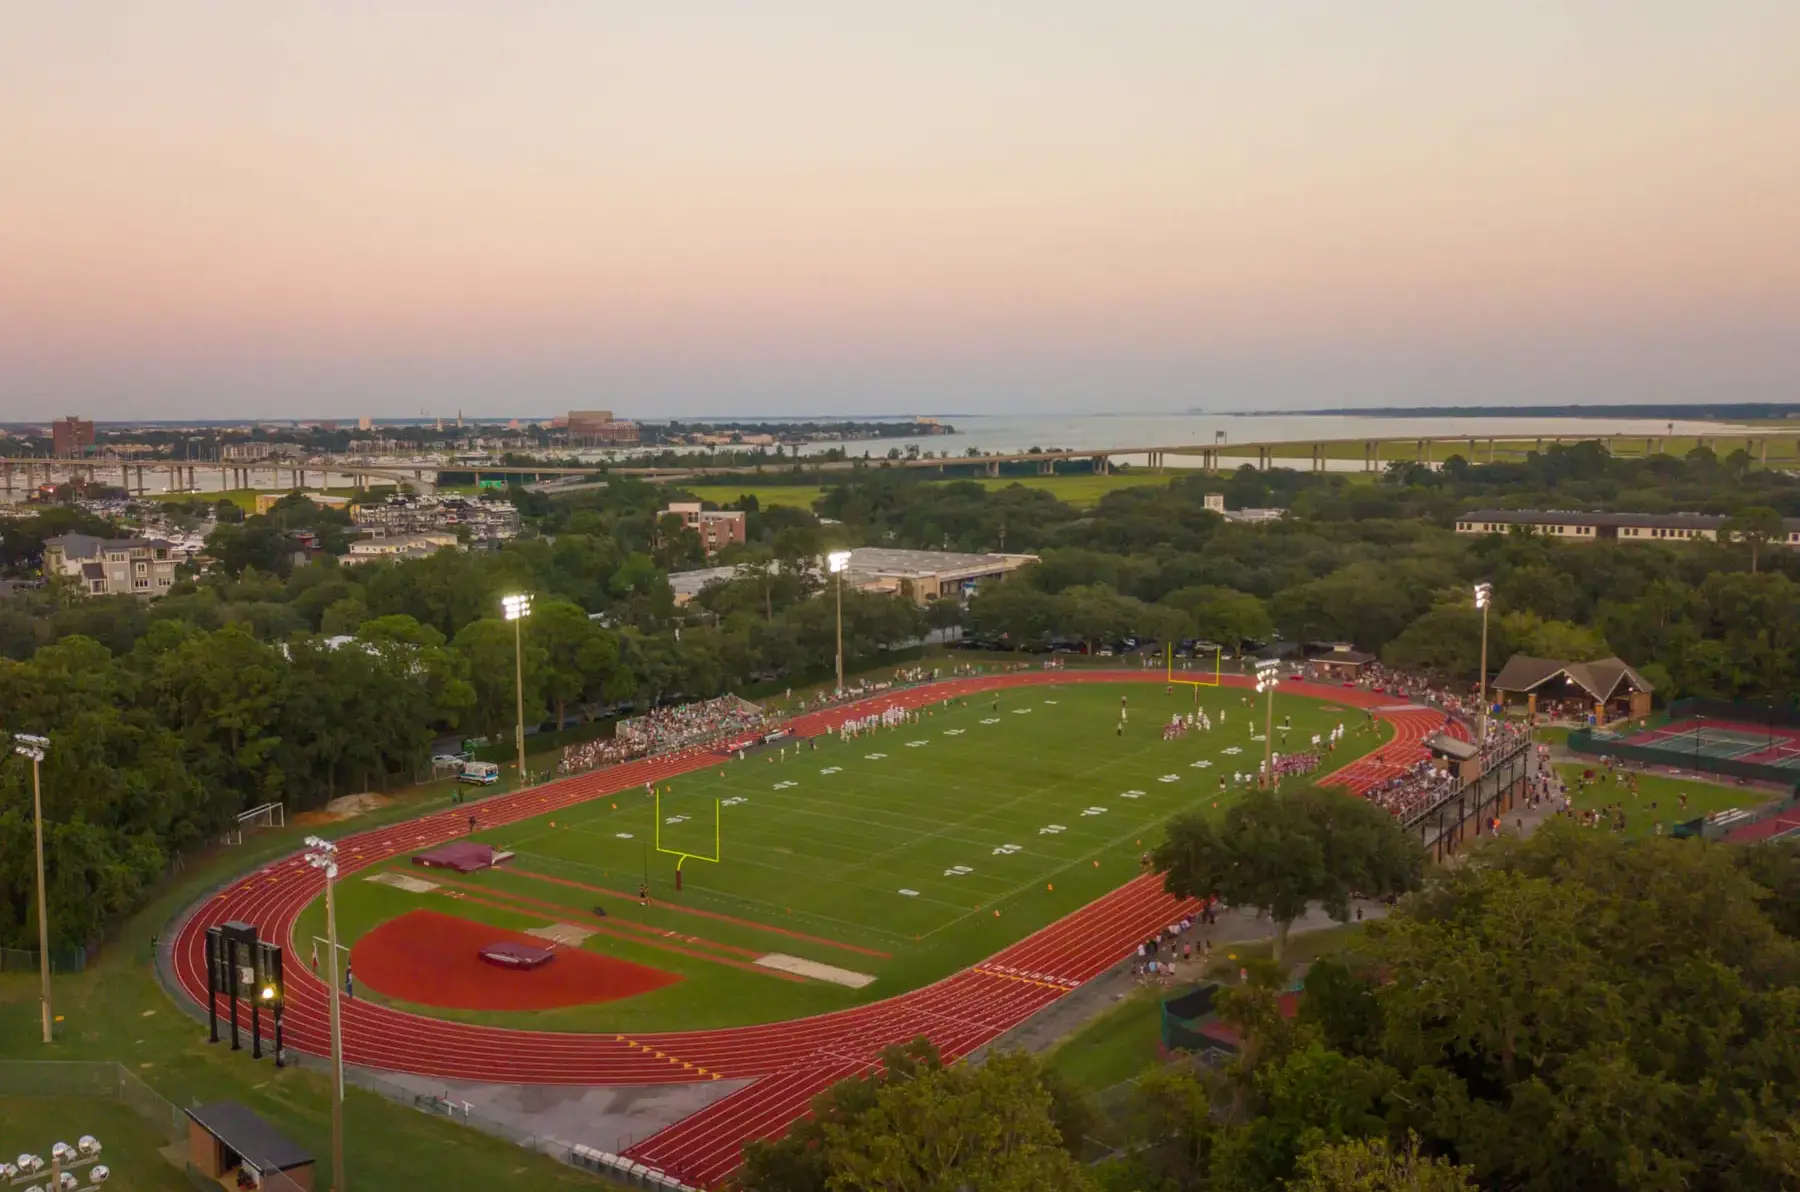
(682, 855)
(1218, 676)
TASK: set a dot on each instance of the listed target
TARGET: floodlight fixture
(28, 745)
(1483, 594)
(516, 607)
(837, 561)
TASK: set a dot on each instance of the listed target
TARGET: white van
(479, 773)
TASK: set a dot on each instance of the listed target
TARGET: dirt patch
(434, 959)
(566, 934)
(402, 881)
(342, 808)
(801, 967)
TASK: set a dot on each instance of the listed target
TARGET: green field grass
(1658, 800)
(905, 854)
(1080, 489)
(130, 1146)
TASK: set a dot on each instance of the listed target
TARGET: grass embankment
(117, 1011)
(1126, 1041)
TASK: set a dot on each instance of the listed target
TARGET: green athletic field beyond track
(905, 854)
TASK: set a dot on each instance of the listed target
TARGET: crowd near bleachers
(663, 729)
(1423, 784)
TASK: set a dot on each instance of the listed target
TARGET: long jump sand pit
(802, 967)
(433, 959)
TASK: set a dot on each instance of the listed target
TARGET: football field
(849, 870)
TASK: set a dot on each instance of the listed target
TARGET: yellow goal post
(1201, 675)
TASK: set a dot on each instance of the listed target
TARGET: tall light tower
(322, 854)
(1484, 596)
(837, 561)
(28, 746)
(517, 609)
(1268, 677)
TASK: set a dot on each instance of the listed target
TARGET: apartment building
(1575, 526)
(718, 528)
(114, 566)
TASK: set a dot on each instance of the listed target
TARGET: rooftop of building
(1583, 517)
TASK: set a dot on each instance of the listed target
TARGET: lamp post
(837, 561)
(1484, 596)
(517, 609)
(1268, 677)
(28, 746)
(322, 854)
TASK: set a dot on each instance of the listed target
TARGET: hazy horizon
(314, 211)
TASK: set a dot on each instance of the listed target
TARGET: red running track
(788, 1061)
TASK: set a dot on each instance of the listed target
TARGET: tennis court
(1766, 745)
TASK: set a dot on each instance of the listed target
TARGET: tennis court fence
(1707, 751)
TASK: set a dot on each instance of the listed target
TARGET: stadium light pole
(322, 855)
(65, 1161)
(1268, 677)
(517, 609)
(28, 746)
(1484, 596)
(837, 561)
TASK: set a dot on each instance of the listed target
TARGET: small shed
(230, 1143)
(1459, 757)
(1340, 660)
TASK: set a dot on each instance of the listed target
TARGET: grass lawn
(905, 854)
(800, 496)
(129, 1144)
(1658, 799)
(117, 1011)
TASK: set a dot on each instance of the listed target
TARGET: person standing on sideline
(315, 957)
(349, 982)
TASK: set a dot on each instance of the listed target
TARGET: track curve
(788, 1061)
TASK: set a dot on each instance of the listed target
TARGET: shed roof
(260, 1145)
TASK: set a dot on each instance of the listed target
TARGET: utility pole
(322, 854)
(1268, 677)
(517, 609)
(28, 746)
(1484, 596)
(837, 561)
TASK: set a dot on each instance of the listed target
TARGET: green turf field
(904, 854)
(1658, 799)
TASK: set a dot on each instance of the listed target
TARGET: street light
(1268, 677)
(1484, 596)
(322, 855)
(26, 745)
(517, 609)
(837, 562)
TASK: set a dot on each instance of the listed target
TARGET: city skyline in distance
(512, 209)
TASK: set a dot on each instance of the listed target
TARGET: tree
(984, 1127)
(1756, 527)
(1282, 852)
(579, 656)
(1370, 1165)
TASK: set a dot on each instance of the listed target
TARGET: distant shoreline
(1679, 412)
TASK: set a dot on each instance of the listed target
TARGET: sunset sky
(221, 209)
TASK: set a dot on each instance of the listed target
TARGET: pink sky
(219, 208)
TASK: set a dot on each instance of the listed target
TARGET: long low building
(1577, 526)
(921, 576)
